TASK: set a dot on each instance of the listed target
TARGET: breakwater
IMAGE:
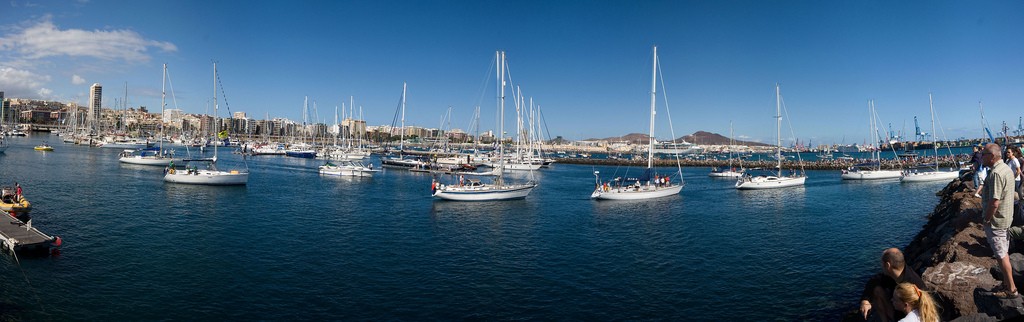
(829, 164)
(953, 257)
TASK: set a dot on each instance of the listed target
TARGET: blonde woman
(917, 303)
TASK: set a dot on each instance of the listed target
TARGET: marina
(294, 244)
(465, 161)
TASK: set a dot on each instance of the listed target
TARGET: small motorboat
(43, 147)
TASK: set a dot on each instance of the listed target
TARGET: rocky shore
(953, 258)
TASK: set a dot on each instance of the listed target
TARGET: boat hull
(208, 177)
(131, 146)
(517, 166)
(148, 160)
(725, 174)
(17, 207)
(484, 193)
(872, 174)
(301, 154)
(347, 171)
(769, 182)
(631, 194)
(927, 176)
(401, 163)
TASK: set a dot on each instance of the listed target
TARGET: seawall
(758, 164)
(953, 258)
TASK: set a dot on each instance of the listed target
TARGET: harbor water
(293, 245)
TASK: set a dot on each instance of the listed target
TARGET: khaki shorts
(998, 240)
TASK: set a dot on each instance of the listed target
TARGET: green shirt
(999, 185)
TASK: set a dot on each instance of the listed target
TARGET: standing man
(997, 211)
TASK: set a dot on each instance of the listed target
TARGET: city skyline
(587, 64)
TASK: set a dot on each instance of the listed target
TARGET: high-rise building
(6, 106)
(95, 104)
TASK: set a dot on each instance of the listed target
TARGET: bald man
(877, 295)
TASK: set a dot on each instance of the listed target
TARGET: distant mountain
(634, 138)
(699, 137)
(708, 138)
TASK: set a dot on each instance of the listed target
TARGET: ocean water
(293, 245)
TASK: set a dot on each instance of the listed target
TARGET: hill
(708, 138)
(699, 137)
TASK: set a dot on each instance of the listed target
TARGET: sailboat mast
(501, 109)
(124, 113)
(305, 109)
(778, 128)
(732, 144)
(216, 125)
(654, 88)
(876, 154)
(401, 140)
(935, 148)
(984, 127)
(338, 124)
(163, 104)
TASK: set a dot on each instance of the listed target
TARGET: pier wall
(762, 164)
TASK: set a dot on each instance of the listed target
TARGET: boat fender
(57, 242)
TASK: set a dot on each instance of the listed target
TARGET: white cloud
(23, 83)
(77, 80)
(15, 4)
(45, 39)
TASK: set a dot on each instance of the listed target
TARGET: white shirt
(911, 317)
(1014, 165)
(914, 316)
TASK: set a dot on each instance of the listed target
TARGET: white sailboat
(748, 182)
(211, 175)
(648, 185)
(159, 156)
(402, 161)
(474, 189)
(931, 172)
(303, 149)
(730, 171)
(347, 168)
(871, 170)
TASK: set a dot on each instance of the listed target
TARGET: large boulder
(956, 283)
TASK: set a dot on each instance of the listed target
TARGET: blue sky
(586, 63)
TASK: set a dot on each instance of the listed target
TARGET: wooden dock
(23, 239)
